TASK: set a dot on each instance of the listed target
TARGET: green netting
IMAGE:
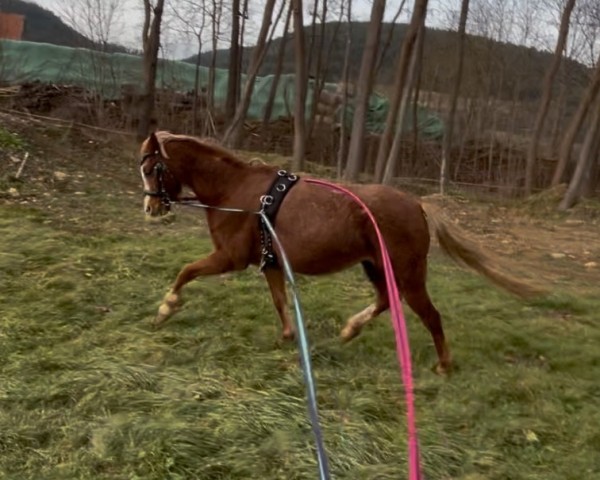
(107, 73)
(428, 125)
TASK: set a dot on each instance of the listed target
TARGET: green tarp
(106, 73)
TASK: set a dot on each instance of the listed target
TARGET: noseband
(159, 169)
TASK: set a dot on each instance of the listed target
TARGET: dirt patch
(550, 246)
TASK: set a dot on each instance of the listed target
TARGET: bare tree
(388, 40)
(151, 43)
(341, 156)
(233, 135)
(589, 13)
(278, 69)
(363, 92)
(245, 16)
(96, 19)
(100, 22)
(314, 13)
(300, 81)
(319, 77)
(415, 92)
(566, 145)
(448, 134)
(233, 82)
(547, 94)
(216, 15)
(192, 14)
(394, 155)
(587, 157)
(417, 20)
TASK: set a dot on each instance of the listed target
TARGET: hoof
(285, 339)
(165, 312)
(172, 299)
(288, 336)
(348, 333)
(442, 369)
(167, 309)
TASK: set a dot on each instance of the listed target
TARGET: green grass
(11, 141)
(89, 390)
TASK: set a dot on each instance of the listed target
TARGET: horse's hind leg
(276, 282)
(414, 291)
(355, 323)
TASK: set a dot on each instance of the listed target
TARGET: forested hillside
(501, 68)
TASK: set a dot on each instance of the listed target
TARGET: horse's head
(160, 186)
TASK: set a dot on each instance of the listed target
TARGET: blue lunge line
(305, 355)
(302, 338)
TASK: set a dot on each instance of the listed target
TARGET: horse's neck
(217, 181)
(209, 180)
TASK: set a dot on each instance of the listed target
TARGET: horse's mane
(208, 145)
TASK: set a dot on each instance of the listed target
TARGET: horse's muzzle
(155, 206)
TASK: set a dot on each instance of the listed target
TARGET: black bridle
(159, 169)
(270, 202)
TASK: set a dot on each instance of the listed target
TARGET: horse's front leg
(216, 263)
(276, 281)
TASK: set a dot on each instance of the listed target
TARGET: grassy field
(89, 390)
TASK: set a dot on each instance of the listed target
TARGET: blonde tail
(465, 252)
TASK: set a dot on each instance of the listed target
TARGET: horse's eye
(147, 174)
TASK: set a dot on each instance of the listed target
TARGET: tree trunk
(448, 134)
(318, 80)
(356, 151)
(389, 38)
(547, 95)
(196, 87)
(418, 76)
(151, 44)
(313, 34)
(561, 105)
(325, 64)
(233, 135)
(568, 140)
(278, 69)
(323, 67)
(591, 179)
(585, 162)
(417, 19)
(345, 77)
(233, 79)
(242, 51)
(216, 30)
(300, 94)
(394, 155)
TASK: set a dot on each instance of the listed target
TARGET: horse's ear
(153, 143)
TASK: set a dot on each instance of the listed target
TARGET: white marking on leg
(358, 321)
(171, 299)
(164, 310)
(362, 318)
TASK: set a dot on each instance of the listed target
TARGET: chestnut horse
(322, 231)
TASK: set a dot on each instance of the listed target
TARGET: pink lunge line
(399, 323)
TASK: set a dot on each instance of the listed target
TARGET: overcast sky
(129, 26)
(485, 18)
